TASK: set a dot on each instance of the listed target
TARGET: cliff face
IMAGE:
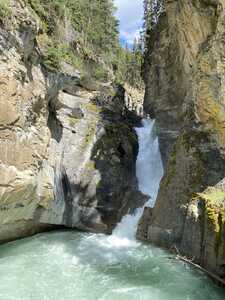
(185, 93)
(67, 154)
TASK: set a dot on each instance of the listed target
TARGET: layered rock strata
(185, 93)
(65, 159)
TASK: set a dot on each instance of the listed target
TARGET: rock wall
(65, 159)
(184, 76)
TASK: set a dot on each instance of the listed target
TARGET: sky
(130, 15)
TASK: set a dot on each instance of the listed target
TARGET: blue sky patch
(130, 15)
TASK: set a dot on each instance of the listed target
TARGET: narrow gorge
(110, 150)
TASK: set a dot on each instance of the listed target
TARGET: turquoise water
(79, 266)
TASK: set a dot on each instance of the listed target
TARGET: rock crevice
(65, 159)
(184, 76)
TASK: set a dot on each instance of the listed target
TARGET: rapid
(68, 265)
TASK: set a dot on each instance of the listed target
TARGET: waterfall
(149, 170)
(71, 265)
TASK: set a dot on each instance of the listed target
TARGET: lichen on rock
(184, 76)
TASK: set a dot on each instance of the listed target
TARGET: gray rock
(184, 79)
(64, 159)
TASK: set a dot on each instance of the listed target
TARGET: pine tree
(96, 40)
(152, 11)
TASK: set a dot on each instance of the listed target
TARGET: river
(69, 265)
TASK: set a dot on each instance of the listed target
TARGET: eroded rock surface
(65, 160)
(185, 93)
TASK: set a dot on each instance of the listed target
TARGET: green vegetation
(93, 20)
(152, 12)
(93, 108)
(213, 218)
(94, 47)
(73, 121)
(214, 195)
(56, 53)
(94, 24)
(213, 199)
(5, 10)
(90, 165)
(128, 65)
(100, 73)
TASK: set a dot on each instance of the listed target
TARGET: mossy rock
(73, 121)
(93, 108)
(213, 203)
(89, 136)
(214, 196)
(90, 165)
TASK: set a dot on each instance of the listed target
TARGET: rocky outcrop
(185, 93)
(65, 159)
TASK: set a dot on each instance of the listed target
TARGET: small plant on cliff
(55, 54)
(48, 11)
(37, 7)
(100, 73)
(5, 10)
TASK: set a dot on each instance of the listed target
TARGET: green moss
(187, 144)
(220, 239)
(212, 216)
(89, 135)
(213, 196)
(73, 121)
(213, 200)
(171, 169)
(90, 165)
(93, 107)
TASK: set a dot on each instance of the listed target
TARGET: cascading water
(149, 164)
(149, 172)
(81, 266)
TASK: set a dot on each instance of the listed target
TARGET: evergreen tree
(152, 11)
(96, 38)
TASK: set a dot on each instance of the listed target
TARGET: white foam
(149, 170)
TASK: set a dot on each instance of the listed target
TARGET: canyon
(113, 163)
(68, 147)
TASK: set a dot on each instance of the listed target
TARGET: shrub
(100, 73)
(5, 10)
(76, 61)
(38, 8)
(55, 54)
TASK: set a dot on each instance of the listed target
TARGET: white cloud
(130, 14)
